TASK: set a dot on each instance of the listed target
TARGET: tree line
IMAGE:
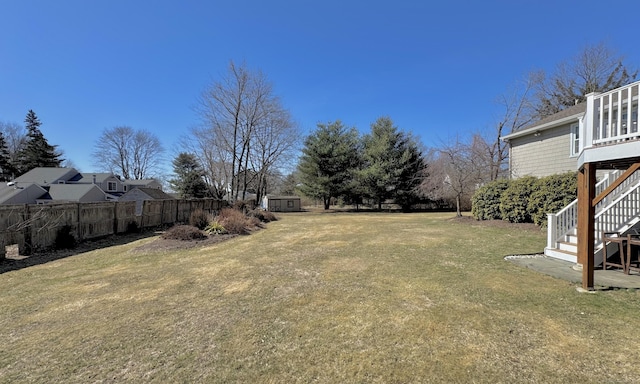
(337, 162)
(247, 144)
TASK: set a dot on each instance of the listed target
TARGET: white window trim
(575, 129)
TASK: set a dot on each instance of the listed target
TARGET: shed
(281, 203)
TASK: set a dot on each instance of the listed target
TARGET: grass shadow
(13, 264)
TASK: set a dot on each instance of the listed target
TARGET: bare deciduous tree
(15, 136)
(488, 150)
(597, 68)
(245, 132)
(453, 174)
(129, 153)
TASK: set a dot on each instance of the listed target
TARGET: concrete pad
(611, 278)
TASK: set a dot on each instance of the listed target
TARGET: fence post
(552, 230)
(27, 246)
(115, 217)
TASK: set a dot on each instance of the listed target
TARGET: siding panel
(543, 155)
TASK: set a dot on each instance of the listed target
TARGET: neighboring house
(281, 203)
(46, 185)
(140, 194)
(107, 182)
(549, 146)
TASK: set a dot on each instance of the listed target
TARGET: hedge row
(524, 200)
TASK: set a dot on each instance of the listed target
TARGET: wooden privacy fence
(36, 227)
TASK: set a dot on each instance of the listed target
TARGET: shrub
(64, 238)
(485, 203)
(514, 202)
(233, 221)
(244, 205)
(184, 232)
(262, 215)
(199, 219)
(554, 193)
(215, 228)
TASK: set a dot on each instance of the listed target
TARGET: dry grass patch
(342, 297)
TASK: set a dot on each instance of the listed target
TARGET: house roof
(153, 193)
(47, 175)
(32, 191)
(568, 115)
(100, 177)
(139, 181)
(71, 192)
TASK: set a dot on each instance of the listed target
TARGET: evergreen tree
(329, 156)
(289, 185)
(392, 164)
(7, 169)
(189, 181)
(37, 151)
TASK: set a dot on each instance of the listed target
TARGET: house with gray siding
(549, 146)
(45, 185)
(600, 141)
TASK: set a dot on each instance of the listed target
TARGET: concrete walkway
(609, 279)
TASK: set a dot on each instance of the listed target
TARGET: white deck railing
(560, 224)
(619, 215)
(612, 117)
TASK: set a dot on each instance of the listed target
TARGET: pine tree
(37, 151)
(189, 182)
(329, 158)
(392, 164)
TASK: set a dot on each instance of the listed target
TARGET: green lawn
(317, 297)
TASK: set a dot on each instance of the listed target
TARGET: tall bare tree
(488, 149)
(15, 137)
(129, 153)
(273, 148)
(597, 68)
(453, 174)
(245, 130)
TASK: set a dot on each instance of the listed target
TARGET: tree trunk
(327, 202)
(458, 211)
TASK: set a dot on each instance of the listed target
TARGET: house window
(125, 188)
(575, 140)
(112, 186)
(289, 203)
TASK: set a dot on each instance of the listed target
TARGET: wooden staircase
(618, 212)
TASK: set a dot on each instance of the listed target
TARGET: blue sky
(436, 68)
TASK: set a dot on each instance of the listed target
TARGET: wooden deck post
(586, 227)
